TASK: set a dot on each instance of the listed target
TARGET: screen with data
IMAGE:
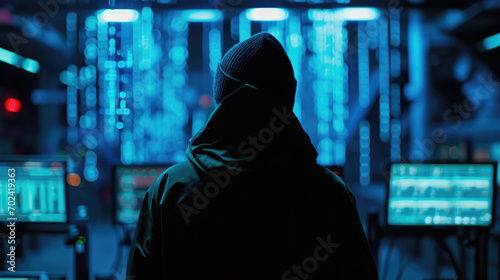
(33, 192)
(131, 184)
(441, 195)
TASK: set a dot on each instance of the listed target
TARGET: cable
(443, 246)
(387, 259)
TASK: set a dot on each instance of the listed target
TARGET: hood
(250, 131)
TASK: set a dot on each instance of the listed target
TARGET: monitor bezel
(43, 226)
(440, 227)
(114, 187)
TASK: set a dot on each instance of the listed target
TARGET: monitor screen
(131, 184)
(33, 191)
(440, 195)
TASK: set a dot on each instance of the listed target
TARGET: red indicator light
(13, 105)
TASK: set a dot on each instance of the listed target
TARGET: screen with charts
(38, 194)
(440, 195)
(131, 184)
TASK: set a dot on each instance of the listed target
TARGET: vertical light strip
(72, 104)
(331, 85)
(139, 121)
(395, 90)
(295, 50)
(245, 27)
(363, 65)
(276, 28)
(323, 49)
(395, 140)
(175, 114)
(341, 93)
(108, 78)
(215, 49)
(364, 153)
(152, 90)
(384, 83)
(88, 90)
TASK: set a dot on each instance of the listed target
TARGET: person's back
(250, 202)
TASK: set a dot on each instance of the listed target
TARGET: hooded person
(250, 201)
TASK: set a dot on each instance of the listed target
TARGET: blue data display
(440, 195)
(39, 193)
(132, 182)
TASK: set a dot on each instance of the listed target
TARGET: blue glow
(363, 65)
(8, 57)
(348, 14)
(492, 42)
(90, 158)
(364, 153)
(358, 14)
(329, 44)
(31, 65)
(267, 14)
(215, 50)
(395, 140)
(202, 15)
(14, 59)
(90, 173)
(395, 63)
(245, 27)
(117, 15)
(72, 98)
(199, 118)
(295, 50)
(384, 78)
(395, 100)
(416, 57)
(395, 28)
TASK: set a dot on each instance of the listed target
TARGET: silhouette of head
(260, 61)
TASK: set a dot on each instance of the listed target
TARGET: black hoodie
(250, 203)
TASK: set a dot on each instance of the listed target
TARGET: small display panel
(440, 195)
(131, 184)
(33, 191)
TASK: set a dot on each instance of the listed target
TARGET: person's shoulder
(333, 182)
(176, 176)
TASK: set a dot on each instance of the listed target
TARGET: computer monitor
(130, 185)
(426, 194)
(33, 191)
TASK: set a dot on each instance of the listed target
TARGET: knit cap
(260, 61)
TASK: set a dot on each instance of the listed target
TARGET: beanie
(260, 61)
